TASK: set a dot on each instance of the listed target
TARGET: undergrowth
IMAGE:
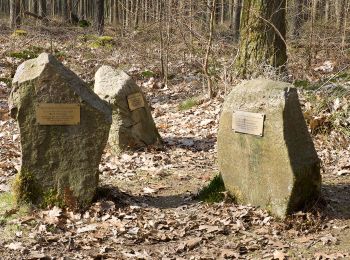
(26, 54)
(188, 104)
(327, 105)
(214, 192)
(9, 211)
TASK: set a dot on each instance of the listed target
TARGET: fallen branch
(34, 15)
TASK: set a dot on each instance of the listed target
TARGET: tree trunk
(297, 18)
(65, 10)
(236, 18)
(263, 31)
(326, 11)
(342, 16)
(99, 16)
(42, 9)
(15, 18)
(70, 11)
(208, 50)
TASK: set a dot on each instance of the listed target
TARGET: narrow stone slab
(278, 170)
(133, 126)
(63, 127)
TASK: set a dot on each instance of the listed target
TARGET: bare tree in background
(99, 16)
(15, 18)
(236, 18)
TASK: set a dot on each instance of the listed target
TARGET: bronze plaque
(58, 114)
(135, 101)
(248, 123)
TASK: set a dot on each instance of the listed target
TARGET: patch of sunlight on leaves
(9, 210)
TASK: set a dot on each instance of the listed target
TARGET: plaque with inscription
(58, 114)
(248, 123)
(135, 101)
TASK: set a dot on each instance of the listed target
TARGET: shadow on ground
(191, 143)
(337, 197)
(122, 199)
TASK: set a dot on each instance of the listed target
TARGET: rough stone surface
(279, 171)
(130, 129)
(59, 163)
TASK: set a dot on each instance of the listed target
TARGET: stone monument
(133, 126)
(266, 155)
(64, 128)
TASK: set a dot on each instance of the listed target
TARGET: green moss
(86, 37)
(105, 39)
(51, 198)
(30, 53)
(102, 41)
(25, 188)
(305, 84)
(214, 192)
(19, 33)
(188, 104)
(147, 74)
(84, 23)
(301, 83)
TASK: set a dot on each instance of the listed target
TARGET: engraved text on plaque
(248, 123)
(57, 114)
(135, 101)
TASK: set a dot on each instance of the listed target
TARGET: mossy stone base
(59, 163)
(279, 171)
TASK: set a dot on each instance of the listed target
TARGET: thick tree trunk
(99, 16)
(263, 31)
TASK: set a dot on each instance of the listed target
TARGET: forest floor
(146, 207)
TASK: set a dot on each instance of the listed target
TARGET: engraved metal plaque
(135, 101)
(248, 123)
(57, 114)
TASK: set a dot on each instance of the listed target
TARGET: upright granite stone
(133, 126)
(279, 170)
(63, 127)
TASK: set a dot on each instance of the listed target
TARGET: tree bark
(208, 50)
(65, 10)
(42, 9)
(99, 16)
(298, 18)
(15, 18)
(263, 31)
(236, 18)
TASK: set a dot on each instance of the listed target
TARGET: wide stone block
(63, 128)
(278, 171)
(133, 126)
